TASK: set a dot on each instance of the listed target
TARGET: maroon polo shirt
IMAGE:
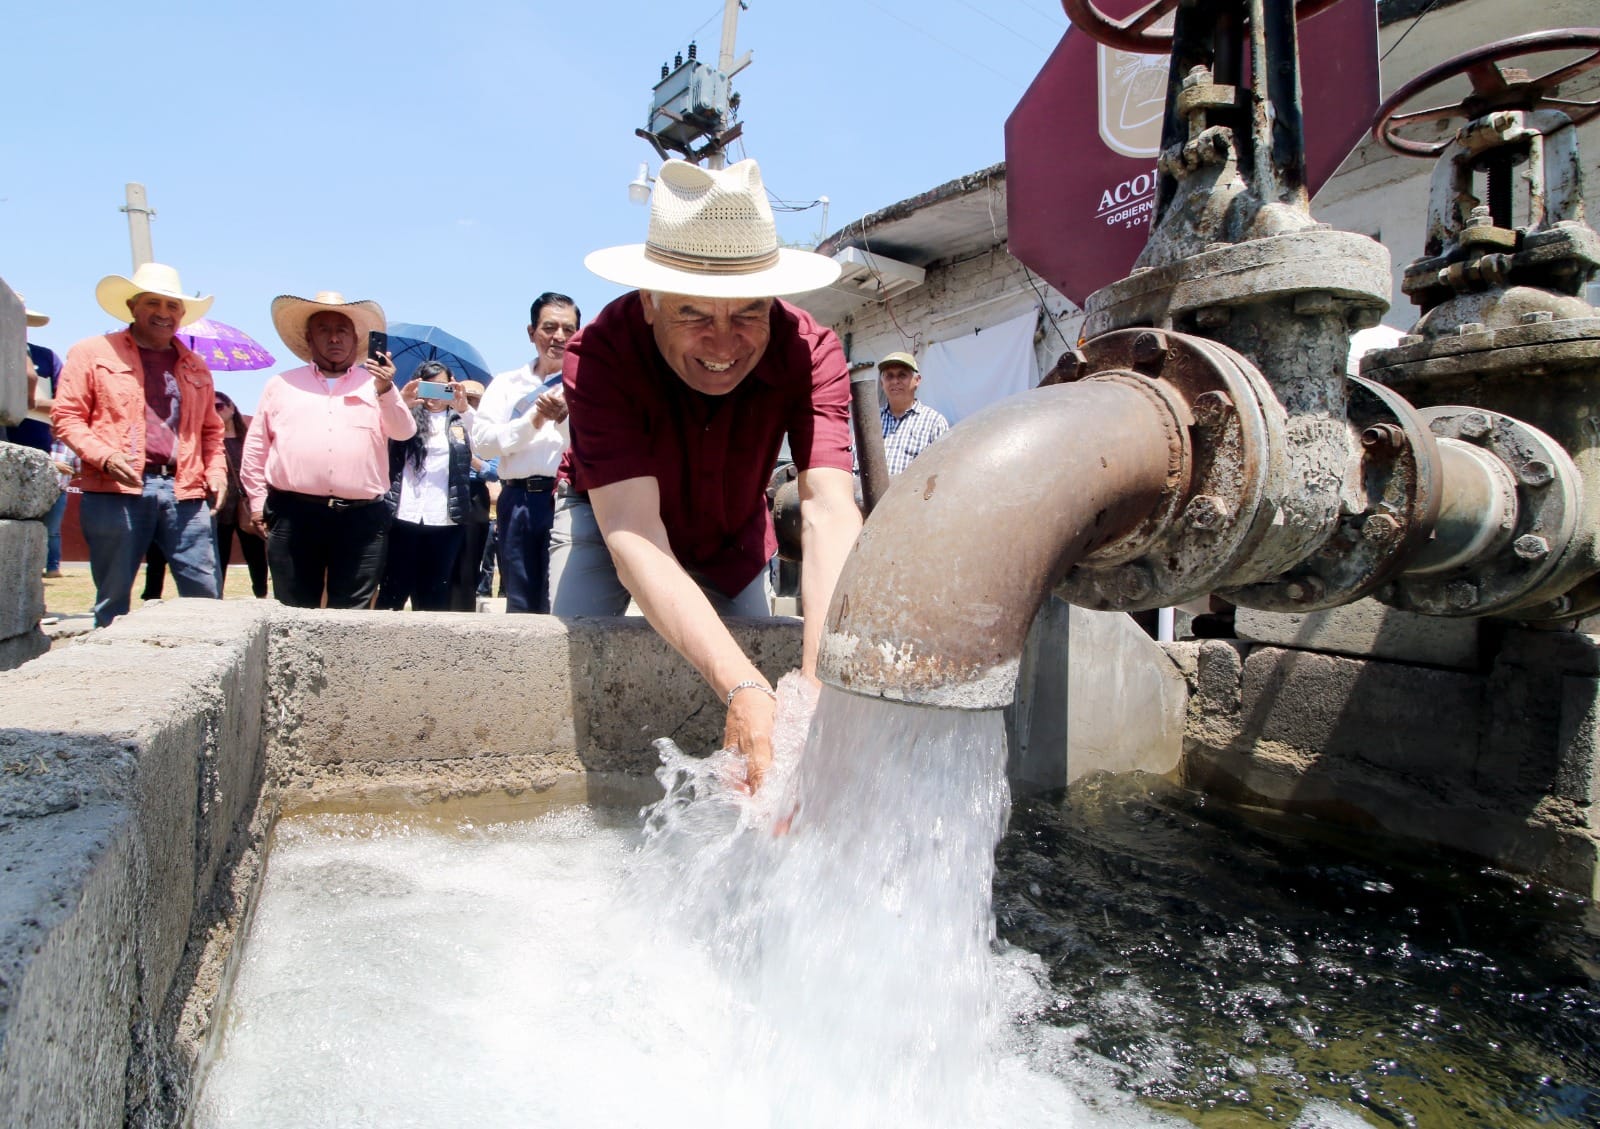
(633, 417)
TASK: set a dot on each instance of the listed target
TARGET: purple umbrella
(223, 347)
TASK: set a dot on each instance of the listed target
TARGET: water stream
(701, 969)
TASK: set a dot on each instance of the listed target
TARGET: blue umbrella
(410, 345)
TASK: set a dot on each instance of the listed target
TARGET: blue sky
(452, 161)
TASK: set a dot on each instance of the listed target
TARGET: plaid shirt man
(907, 436)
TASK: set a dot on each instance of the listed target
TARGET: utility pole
(139, 215)
(717, 158)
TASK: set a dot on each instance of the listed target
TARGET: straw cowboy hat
(114, 291)
(35, 318)
(712, 235)
(290, 315)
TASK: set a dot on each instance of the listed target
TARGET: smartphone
(377, 345)
(430, 390)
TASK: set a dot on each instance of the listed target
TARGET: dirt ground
(72, 593)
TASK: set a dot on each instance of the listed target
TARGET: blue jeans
(52, 531)
(523, 534)
(120, 527)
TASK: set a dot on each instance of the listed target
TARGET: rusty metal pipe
(1477, 511)
(866, 413)
(934, 602)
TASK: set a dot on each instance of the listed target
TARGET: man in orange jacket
(137, 406)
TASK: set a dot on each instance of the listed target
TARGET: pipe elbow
(934, 603)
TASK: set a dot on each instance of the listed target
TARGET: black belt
(166, 471)
(533, 484)
(321, 502)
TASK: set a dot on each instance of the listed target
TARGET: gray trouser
(583, 578)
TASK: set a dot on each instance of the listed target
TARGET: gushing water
(820, 954)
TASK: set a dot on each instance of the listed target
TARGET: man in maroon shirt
(680, 396)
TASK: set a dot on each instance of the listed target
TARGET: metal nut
(1531, 547)
(1382, 437)
(1206, 511)
(1468, 328)
(1133, 582)
(1304, 589)
(1149, 347)
(1212, 317)
(1536, 472)
(1537, 317)
(1313, 302)
(1461, 594)
(1212, 409)
(1474, 425)
(1381, 529)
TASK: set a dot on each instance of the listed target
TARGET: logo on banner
(1133, 98)
(1133, 101)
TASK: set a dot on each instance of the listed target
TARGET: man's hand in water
(751, 716)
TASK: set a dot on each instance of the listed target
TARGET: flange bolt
(1211, 409)
(1474, 425)
(1148, 348)
(1461, 595)
(1206, 511)
(1531, 547)
(1536, 472)
(1381, 529)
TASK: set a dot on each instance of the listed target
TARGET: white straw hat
(712, 235)
(114, 291)
(290, 315)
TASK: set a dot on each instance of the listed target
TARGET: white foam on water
(561, 973)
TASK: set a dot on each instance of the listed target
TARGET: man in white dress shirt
(522, 421)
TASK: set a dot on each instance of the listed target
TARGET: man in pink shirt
(137, 408)
(316, 460)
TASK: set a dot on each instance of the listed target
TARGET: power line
(1031, 41)
(1010, 78)
(1408, 30)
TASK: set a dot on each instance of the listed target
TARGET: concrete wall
(28, 488)
(1499, 762)
(141, 766)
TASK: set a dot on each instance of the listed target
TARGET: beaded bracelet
(751, 684)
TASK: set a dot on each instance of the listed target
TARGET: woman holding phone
(429, 492)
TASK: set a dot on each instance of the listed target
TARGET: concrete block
(1569, 652)
(29, 485)
(1219, 669)
(564, 696)
(13, 358)
(68, 973)
(1415, 721)
(22, 549)
(1368, 628)
(20, 648)
(1578, 745)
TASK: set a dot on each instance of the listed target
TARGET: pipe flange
(1390, 503)
(1520, 565)
(1207, 521)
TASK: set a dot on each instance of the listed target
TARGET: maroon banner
(1081, 146)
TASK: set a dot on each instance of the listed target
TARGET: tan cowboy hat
(290, 315)
(114, 291)
(712, 235)
(905, 359)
